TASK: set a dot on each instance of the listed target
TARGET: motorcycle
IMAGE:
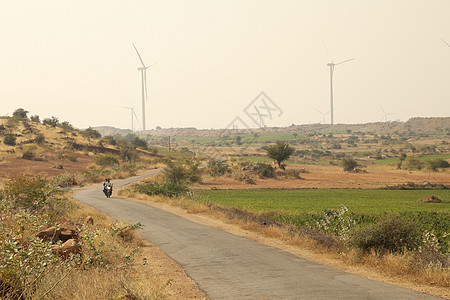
(108, 191)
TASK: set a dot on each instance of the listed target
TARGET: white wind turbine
(323, 115)
(143, 70)
(133, 115)
(385, 115)
(331, 65)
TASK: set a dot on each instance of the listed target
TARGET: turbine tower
(143, 71)
(332, 65)
(133, 114)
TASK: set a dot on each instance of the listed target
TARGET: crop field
(317, 200)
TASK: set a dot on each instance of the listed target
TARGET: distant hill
(108, 130)
(433, 125)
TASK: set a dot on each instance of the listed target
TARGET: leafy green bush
(393, 234)
(107, 160)
(10, 139)
(193, 172)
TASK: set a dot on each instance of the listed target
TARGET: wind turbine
(323, 114)
(385, 115)
(133, 114)
(143, 70)
(332, 65)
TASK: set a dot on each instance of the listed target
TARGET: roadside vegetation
(102, 263)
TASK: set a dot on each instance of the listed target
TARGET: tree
(20, 114)
(35, 118)
(239, 140)
(401, 160)
(280, 152)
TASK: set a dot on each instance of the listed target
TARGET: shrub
(349, 164)
(10, 139)
(138, 142)
(107, 160)
(193, 172)
(174, 172)
(91, 133)
(434, 164)
(53, 121)
(28, 155)
(40, 139)
(168, 188)
(28, 192)
(35, 119)
(217, 167)
(413, 164)
(393, 234)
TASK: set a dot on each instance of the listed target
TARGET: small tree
(280, 152)
(239, 140)
(402, 159)
(20, 114)
(10, 139)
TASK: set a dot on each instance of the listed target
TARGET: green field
(318, 200)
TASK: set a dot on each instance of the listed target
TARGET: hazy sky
(75, 59)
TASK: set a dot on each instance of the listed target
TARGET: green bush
(107, 160)
(10, 139)
(26, 192)
(167, 188)
(391, 234)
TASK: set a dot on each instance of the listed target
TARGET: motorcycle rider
(107, 183)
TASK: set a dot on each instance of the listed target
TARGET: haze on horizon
(75, 60)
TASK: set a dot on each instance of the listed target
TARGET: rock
(70, 246)
(89, 220)
(67, 234)
(432, 199)
(49, 234)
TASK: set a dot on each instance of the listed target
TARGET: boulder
(67, 234)
(70, 246)
(49, 234)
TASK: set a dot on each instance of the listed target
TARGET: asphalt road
(226, 266)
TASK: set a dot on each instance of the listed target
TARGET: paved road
(226, 266)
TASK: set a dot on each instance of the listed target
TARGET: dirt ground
(321, 177)
(11, 167)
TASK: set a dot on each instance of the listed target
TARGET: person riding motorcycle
(107, 183)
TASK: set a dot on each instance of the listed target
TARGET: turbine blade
(344, 61)
(326, 49)
(140, 58)
(136, 117)
(318, 111)
(152, 65)
(382, 109)
(445, 42)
